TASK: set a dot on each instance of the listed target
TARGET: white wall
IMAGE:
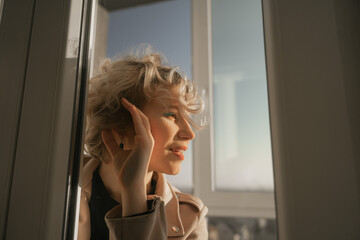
(312, 52)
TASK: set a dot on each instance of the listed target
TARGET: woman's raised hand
(132, 171)
(138, 160)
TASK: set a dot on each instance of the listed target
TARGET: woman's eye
(170, 114)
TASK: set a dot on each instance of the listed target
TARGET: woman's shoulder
(186, 198)
(192, 213)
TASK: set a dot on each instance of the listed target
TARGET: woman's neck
(150, 188)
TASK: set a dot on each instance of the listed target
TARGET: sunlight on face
(171, 133)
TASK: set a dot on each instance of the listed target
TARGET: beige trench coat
(174, 215)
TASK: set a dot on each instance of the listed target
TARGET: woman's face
(171, 133)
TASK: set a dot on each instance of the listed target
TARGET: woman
(138, 127)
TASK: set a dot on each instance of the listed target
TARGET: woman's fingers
(138, 123)
(145, 120)
(141, 122)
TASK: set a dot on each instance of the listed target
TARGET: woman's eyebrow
(173, 106)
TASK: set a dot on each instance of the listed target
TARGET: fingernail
(127, 101)
(124, 101)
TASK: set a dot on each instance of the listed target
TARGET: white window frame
(224, 203)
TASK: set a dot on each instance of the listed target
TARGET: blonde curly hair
(140, 78)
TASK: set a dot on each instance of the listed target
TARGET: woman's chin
(169, 167)
(175, 172)
(172, 170)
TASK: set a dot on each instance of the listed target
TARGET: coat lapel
(172, 211)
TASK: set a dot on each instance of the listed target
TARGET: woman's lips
(179, 151)
(179, 154)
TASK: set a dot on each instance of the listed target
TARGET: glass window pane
(243, 158)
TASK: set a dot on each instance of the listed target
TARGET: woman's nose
(185, 131)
